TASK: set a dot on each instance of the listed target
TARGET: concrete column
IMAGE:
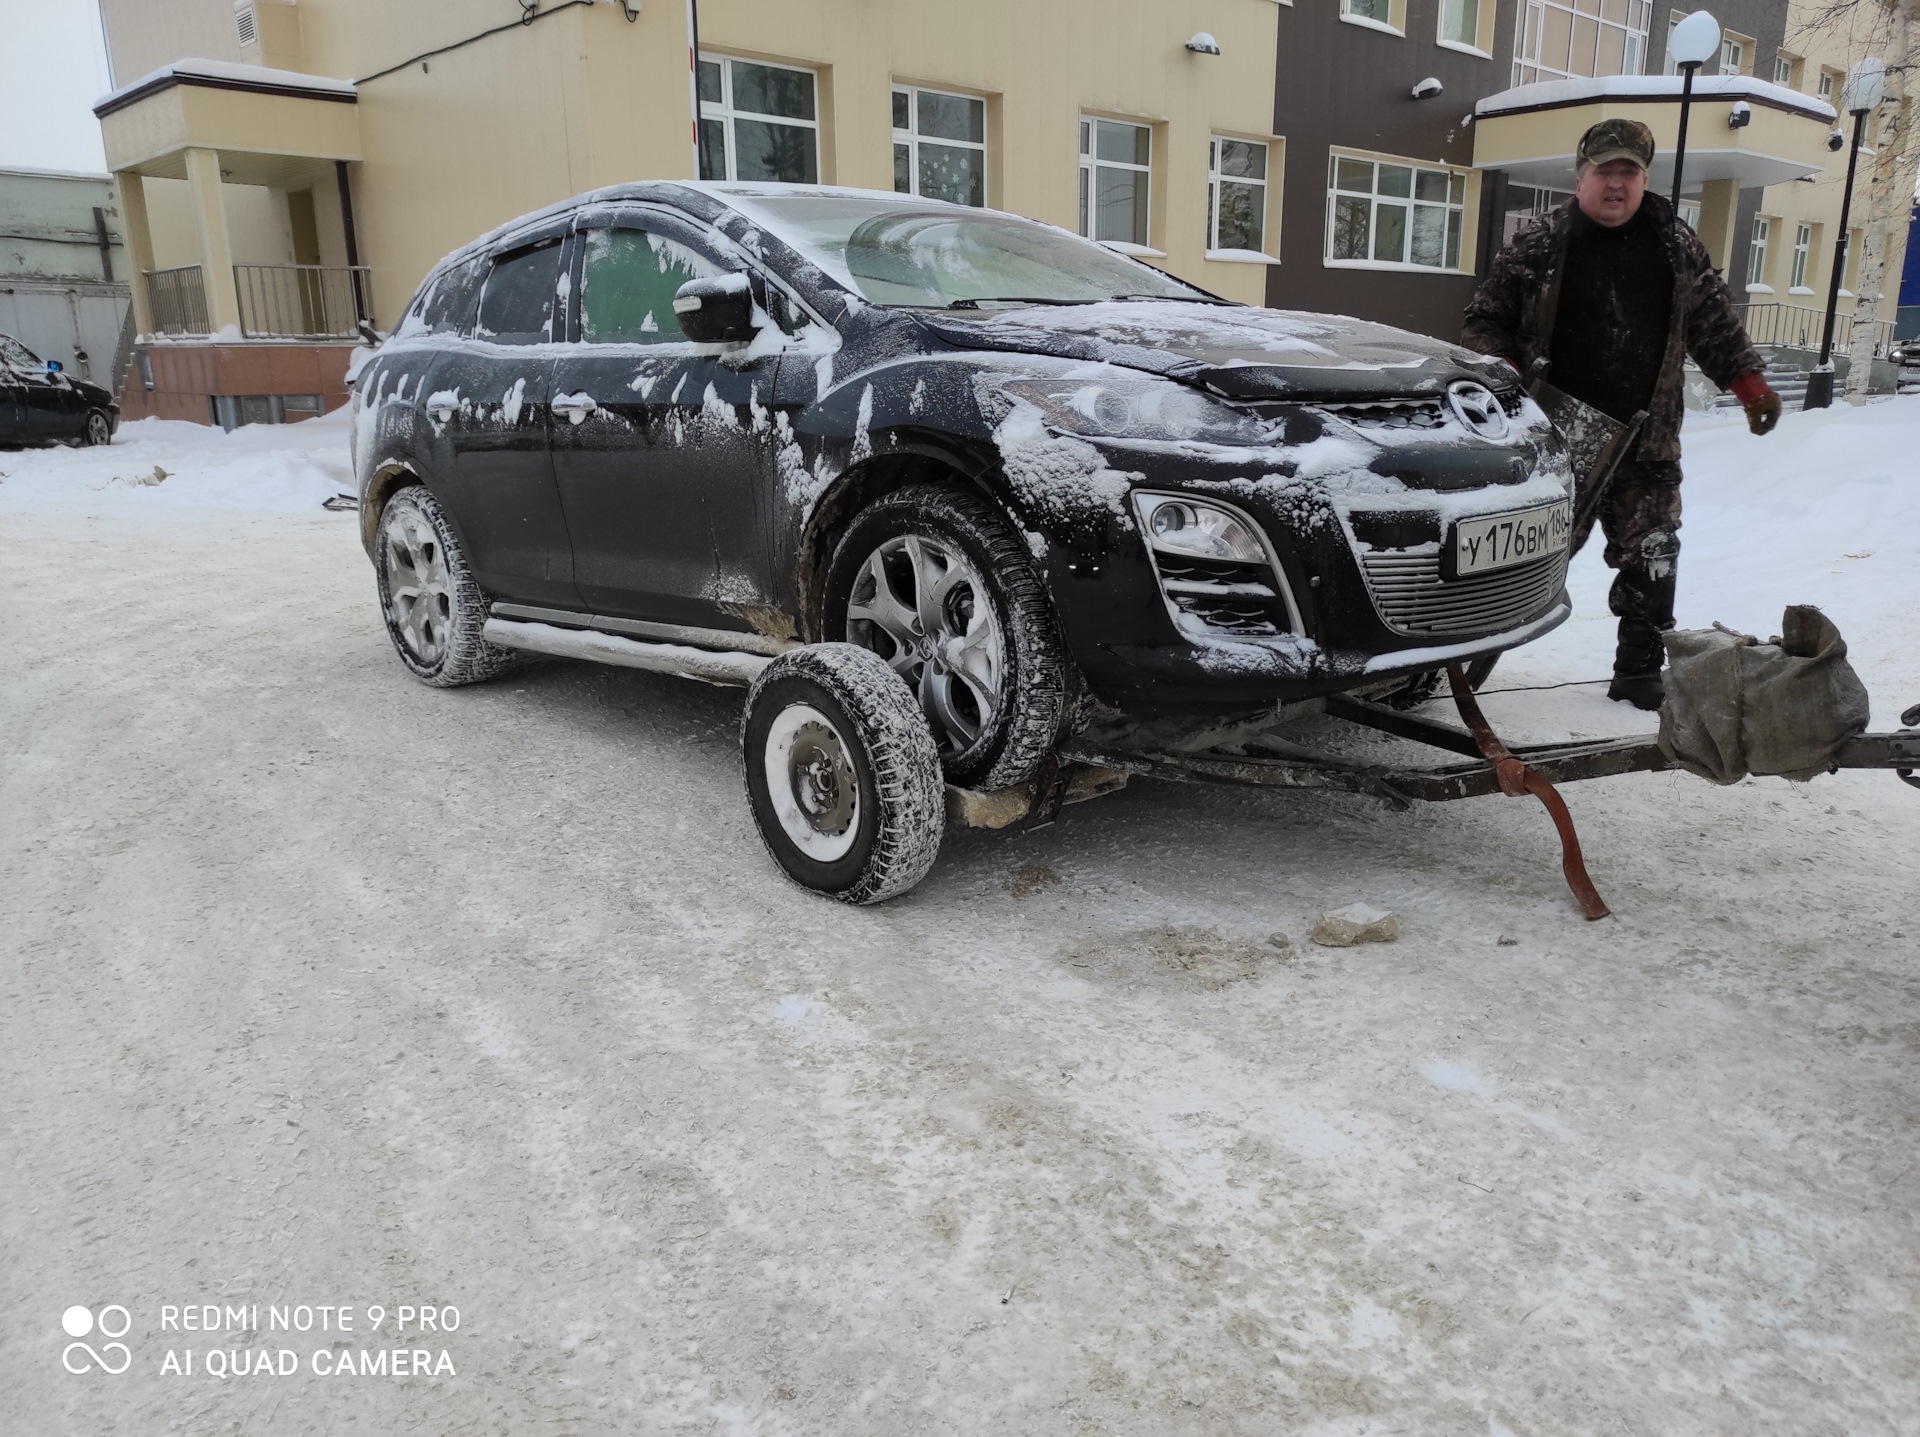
(139, 238)
(1719, 206)
(216, 247)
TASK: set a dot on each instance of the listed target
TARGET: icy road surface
(326, 988)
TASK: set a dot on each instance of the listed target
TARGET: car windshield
(914, 253)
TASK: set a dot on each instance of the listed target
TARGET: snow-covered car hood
(1241, 352)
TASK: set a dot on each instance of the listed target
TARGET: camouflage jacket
(1512, 315)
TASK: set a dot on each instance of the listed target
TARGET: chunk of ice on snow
(1356, 923)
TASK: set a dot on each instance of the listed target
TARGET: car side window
(628, 283)
(447, 301)
(517, 305)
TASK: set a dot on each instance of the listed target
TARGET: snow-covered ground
(325, 988)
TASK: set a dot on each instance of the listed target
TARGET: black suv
(1028, 472)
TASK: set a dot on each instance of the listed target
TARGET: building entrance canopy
(211, 123)
(1531, 131)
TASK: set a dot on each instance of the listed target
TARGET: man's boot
(1636, 666)
(1642, 595)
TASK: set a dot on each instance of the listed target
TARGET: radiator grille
(1413, 599)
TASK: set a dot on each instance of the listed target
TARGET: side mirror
(54, 366)
(717, 310)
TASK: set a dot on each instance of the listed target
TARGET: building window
(1690, 214)
(1236, 195)
(940, 146)
(1380, 12)
(1380, 213)
(1115, 160)
(1826, 85)
(1802, 248)
(1783, 70)
(1733, 55)
(1569, 39)
(1460, 23)
(757, 122)
(1757, 252)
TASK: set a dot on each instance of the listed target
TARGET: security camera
(1427, 88)
(1740, 115)
(1837, 141)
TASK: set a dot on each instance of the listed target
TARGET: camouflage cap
(1617, 139)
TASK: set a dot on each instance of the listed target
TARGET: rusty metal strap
(1515, 779)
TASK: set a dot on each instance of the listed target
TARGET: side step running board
(707, 665)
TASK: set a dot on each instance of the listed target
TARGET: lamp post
(1694, 41)
(1866, 83)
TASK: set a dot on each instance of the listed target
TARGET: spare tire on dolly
(842, 773)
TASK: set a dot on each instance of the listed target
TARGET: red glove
(1760, 402)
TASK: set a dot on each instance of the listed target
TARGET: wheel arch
(388, 478)
(907, 459)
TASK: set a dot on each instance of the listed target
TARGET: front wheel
(841, 774)
(937, 583)
(98, 430)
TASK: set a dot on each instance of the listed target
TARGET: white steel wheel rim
(811, 782)
(419, 586)
(921, 605)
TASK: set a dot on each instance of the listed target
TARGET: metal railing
(302, 301)
(1798, 327)
(178, 298)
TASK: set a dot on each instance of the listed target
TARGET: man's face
(1610, 194)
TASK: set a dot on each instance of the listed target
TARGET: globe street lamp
(1694, 41)
(1866, 83)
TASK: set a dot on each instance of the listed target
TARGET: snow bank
(287, 467)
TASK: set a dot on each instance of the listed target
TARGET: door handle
(575, 406)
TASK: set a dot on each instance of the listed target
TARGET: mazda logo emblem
(1475, 406)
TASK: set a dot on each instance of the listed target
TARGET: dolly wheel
(842, 773)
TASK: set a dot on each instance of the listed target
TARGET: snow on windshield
(915, 253)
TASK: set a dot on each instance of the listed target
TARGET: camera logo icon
(78, 1322)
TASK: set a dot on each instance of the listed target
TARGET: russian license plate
(1499, 541)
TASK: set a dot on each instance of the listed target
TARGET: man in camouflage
(1613, 293)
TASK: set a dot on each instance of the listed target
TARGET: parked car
(1032, 474)
(1905, 352)
(40, 404)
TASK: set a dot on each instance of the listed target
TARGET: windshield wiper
(1013, 299)
(1180, 298)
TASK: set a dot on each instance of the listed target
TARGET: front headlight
(1144, 408)
(1198, 530)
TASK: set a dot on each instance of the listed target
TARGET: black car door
(43, 396)
(487, 394)
(657, 442)
(13, 426)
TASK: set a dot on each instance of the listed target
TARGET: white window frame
(1759, 243)
(1463, 261)
(1802, 258)
(911, 136)
(1481, 7)
(1829, 82)
(1529, 33)
(1733, 52)
(1690, 214)
(1214, 178)
(1394, 24)
(1091, 164)
(1783, 62)
(723, 110)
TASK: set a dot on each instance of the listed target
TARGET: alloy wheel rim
(97, 429)
(419, 587)
(921, 605)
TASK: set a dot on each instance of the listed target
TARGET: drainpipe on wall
(353, 244)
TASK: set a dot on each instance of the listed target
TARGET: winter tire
(842, 775)
(938, 584)
(433, 608)
(98, 430)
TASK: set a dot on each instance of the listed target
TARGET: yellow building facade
(449, 119)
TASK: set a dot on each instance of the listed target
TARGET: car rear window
(517, 305)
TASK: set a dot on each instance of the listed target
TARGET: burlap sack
(1736, 706)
